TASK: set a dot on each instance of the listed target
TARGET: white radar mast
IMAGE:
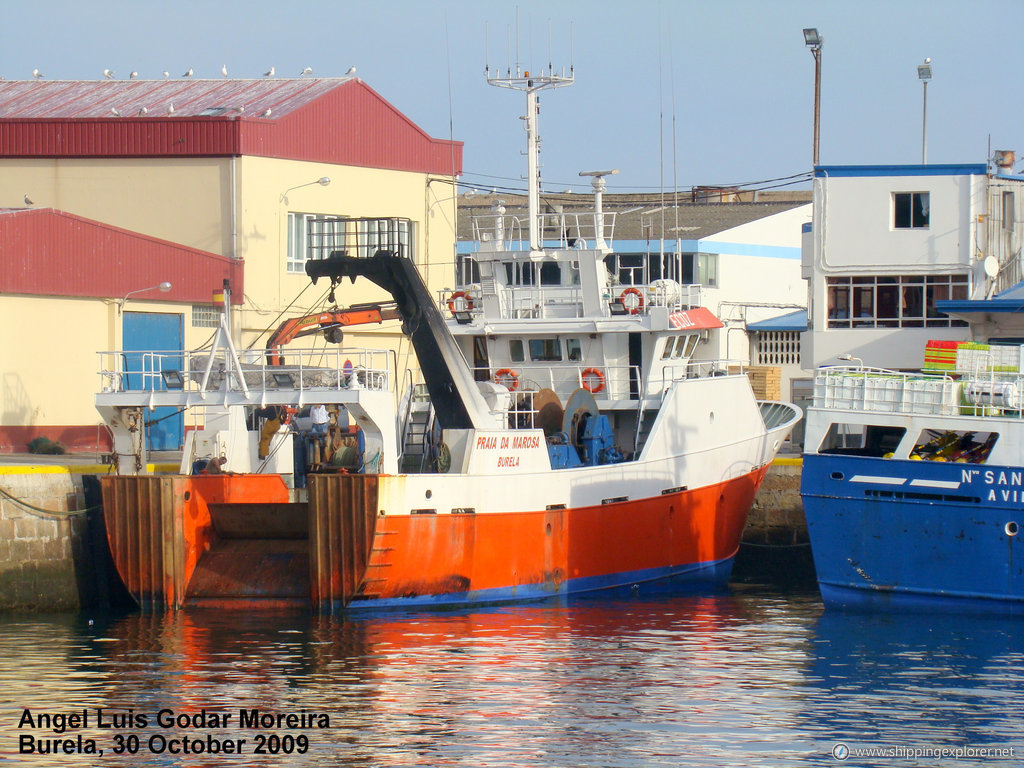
(531, 84)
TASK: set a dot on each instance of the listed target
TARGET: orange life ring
(639, 300)
(455, 297)
(507, 378)
(592, 373)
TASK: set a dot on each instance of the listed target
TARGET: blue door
(154, 332)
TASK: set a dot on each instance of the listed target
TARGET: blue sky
(672, 92)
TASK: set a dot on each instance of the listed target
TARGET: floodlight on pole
(323, 181)
(163, 287)
(924, 74)
(814, 41)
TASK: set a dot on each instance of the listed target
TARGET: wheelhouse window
(892, 301)
(680, 347)
(515, 350)
(1009, 211)
(550, 273)
(573, 350)
(910, 210)
(545, 351)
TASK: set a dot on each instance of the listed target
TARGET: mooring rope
(50, 513)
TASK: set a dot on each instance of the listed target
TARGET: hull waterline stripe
(878, 480)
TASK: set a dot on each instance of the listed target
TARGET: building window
(1008, 210)
(700, 269)
(383, 235)
(205, 316)
(778, 348)
(312, 235)
(893, 301)
(910, 210)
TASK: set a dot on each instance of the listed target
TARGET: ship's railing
(262, 370)
(558, 230)
(878, 389)
(608, 382)
(545, 302)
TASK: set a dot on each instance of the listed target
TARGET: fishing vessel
(584, 448)
(913, 483)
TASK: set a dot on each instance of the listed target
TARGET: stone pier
(42, 529)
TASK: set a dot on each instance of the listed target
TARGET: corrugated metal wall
(343, 521)
(52, 253)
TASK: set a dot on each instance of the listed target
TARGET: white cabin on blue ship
(890, 242)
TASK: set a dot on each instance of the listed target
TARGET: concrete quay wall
(777, 515)
(42, 534)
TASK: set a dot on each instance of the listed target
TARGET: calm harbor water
(750, 677)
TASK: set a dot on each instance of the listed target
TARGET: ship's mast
(532, 84)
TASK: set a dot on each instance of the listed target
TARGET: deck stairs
(416, 447)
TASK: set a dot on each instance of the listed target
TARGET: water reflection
(750, 678)
(919, 680)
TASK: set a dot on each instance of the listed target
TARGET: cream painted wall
(353, 192)
(184, 200)
(49, 372)
(190, 201)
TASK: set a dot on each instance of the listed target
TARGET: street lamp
(813, 40)
(323, 181)
(924, 74)
(163, 287)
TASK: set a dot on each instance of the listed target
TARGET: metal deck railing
(300, 370)
(992, 394)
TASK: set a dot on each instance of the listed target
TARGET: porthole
(1011, 528)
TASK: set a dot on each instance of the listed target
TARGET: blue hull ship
(913, 489)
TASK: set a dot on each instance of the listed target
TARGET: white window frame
(298, 252)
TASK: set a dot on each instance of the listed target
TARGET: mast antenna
(532, 84)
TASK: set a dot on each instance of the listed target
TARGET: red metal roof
(46, 252)
(332, 120)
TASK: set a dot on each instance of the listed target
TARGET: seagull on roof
(143, 112)
(108, 73)
(37, 74)
(114, 112)
(351, 71)
(266, 112)
(306, 71)
(170, 109)
(189, 73)
(166, 73)
(28, 200)
(224, 70)
(134, 75)
(269, 72)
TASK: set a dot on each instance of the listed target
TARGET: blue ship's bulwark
(887, 531)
